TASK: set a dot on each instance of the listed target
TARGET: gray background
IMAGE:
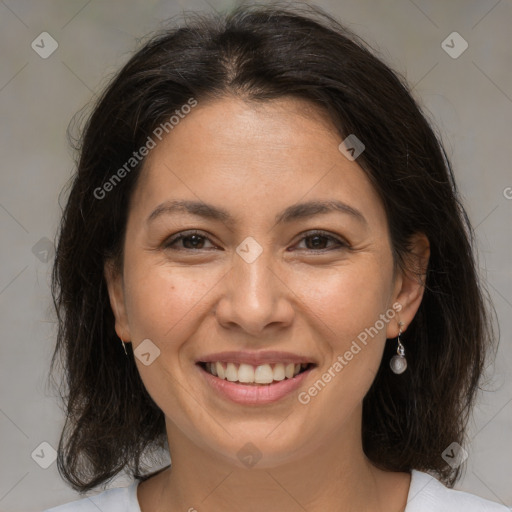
(469, 97)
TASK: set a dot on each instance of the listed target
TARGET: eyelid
(184, 234)
(339, 240)
(342, 242)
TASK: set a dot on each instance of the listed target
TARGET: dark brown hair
(260, 53)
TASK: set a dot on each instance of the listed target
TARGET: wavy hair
(260, 53)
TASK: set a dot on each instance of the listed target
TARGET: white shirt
(426, 494)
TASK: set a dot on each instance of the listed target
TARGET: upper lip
(255, 358)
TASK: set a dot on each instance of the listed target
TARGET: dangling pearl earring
(124, 346)
(398, 363)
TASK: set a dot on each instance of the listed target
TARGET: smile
(263, 374)
(249, 378)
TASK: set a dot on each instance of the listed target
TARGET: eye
(195, 240)
(319, 239)
(189, 239)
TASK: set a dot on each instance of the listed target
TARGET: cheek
(349, 309)
(165, 302)
(347, 299)
(167, 305)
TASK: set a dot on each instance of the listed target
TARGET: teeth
(279, 372)
(231, 372)
(263, 374)
(248, 374)
(220, 370)
(289, 370)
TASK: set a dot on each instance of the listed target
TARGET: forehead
(232, 129)
(254, 156)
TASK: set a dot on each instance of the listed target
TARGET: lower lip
(257, 394)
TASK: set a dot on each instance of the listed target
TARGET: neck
(333, 475)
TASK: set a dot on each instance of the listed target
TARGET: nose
(255, 298)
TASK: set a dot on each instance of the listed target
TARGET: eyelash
(310, 234)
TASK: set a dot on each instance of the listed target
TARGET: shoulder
(121, 499)
(426, 494)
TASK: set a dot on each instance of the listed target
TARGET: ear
(115, 288)
(410, 283)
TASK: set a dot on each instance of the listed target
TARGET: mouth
(254, 379)
(252, 375)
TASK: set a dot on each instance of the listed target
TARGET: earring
(398, 363)
(124, 346)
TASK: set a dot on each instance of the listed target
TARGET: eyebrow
(290, 214)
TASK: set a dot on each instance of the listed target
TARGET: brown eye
(189, 241)
(318, 241)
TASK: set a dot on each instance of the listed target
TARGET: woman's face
(252, 282)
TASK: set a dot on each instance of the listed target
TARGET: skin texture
(255, 160)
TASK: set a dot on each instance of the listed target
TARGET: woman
(264, 268)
